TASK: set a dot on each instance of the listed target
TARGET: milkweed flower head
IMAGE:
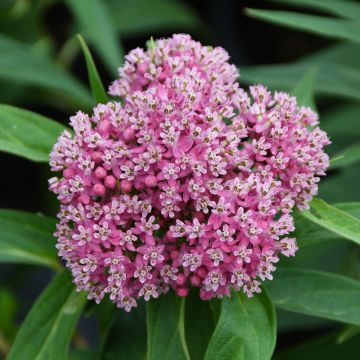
(191, 182)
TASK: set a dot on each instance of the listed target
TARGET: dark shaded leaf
(323, 348)
(8, 307)
(199, 324)
(127, 335)
(347, 333)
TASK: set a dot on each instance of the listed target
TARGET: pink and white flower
(159, 192)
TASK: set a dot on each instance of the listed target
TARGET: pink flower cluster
(191, 182)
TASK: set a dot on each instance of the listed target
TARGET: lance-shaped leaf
(94, 18)
(8, 309)
(304, 89)
(340, 80)
(27, 239)
(347, 333)
(48, 328)
(309, 233)
(27, 134)
(156, 15)
(348, 9)
(348, 156)
(333, 219)
(199, 324)
(343, 29)
(316, 293)
(97, 87)
(341, 124)
(19, 63)
(246, 329)
(165, 328)
(125, 335)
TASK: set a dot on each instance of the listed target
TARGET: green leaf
(340, 53)
(322, 348)
(346, 157)
(47, 330)
(352, 208)
(8, 308)
(347, 9)
(331, 253)
(333, 219)
(165, 328)
(126, 338)
(335, 80)
(336, 188)
(97, 87)
(290, 322)
(342, 125)
(27, 239)
(347, 333)
(246, 329)
(27, 134)
(316, 293)
(94, 17)
(338, 75)
(106, 315)
(342, 29)
(309, 233)
(304, 89)
(19, 63)
(80, 354)
(199, 324)
(155, 15)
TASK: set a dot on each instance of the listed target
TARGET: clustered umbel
(189, 182)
